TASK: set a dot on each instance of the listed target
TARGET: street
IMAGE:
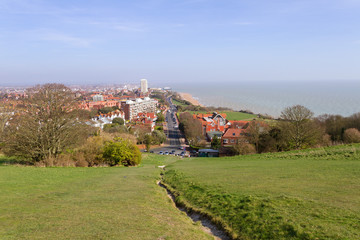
(173, 133)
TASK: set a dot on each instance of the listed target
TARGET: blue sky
(93, 41)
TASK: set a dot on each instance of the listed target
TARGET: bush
(243, 148)
(352, 135)
(91, 152)
(121, 152)
(119, 121)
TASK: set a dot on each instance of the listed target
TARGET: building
(98, 98)
(102, 119)
(143, 86)
(133, 108)
(233, 136)
(214, 122)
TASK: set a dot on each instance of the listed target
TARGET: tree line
(297, 128)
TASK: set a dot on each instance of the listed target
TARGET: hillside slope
(309, 194)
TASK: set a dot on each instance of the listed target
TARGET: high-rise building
(133, 108)
(143, 86)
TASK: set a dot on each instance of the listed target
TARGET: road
(173, 133)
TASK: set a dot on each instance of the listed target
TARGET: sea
(264, 97)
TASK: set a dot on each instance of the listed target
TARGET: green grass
(310, 194)
(233, 116)
(177, 103)
(90, 203)
(239, 116)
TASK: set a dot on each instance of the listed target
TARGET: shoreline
(188, 97)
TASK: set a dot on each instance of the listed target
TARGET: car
(166, 153)
(151, 151)
(181, 148)
(173, 151)
(161, 153)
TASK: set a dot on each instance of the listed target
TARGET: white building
(143, 86)
(133, 108)
(102, 119)
(98, 98)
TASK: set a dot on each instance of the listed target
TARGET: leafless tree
(47, 125)
(298, 129)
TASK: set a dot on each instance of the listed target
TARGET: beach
(188, 97)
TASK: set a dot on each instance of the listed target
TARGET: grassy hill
(310, 194)
(90, 203)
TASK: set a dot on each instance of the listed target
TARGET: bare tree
(298, 129)
(47, 125)
(253, 132)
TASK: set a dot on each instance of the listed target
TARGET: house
(210, 135)
(102, 119)
(233, 136)
(214, 122)
(146, 119)
(238, 124)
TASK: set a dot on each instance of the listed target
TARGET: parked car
(161, 153)
(166, 153)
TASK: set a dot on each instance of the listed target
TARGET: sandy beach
(188, 97)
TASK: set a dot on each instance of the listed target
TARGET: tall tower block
(143, 86)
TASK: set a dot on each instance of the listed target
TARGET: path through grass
(90, 203)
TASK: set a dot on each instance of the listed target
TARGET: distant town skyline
(106, 42)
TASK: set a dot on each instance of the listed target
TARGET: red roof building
(233, 136)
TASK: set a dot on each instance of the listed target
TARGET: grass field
(90, 203)
(177, 103)
(311, 194)
(232, 115)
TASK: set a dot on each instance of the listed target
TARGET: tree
(148, 140)
(47, 125)
(253, 132)
(118, 120)
(158, 137)
(298, 129)
(215, 142)
(121, 152)
(160, 117)
(191, 127)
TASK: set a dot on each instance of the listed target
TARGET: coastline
(188, 97)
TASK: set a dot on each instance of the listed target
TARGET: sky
(165, 41)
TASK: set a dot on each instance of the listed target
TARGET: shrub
(119, 121)
(91, 152)
(243, 148)
(352, 135)
(121, 152)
